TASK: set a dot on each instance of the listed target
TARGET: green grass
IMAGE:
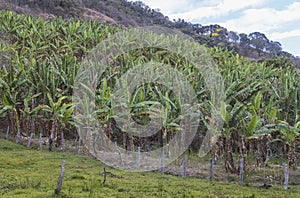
(32, 173)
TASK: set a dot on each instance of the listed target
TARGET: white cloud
(223, 8)
(283, 35)
(265, 19)
(171, 6)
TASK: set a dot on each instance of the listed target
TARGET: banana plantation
(40, 60)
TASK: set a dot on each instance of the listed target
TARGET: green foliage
(280, 62)
(44, 59)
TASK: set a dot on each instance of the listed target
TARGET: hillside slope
(129, 13)
(42, 73)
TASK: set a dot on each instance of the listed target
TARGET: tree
(274, 48)
(244, 40)
(259, 41)
(233, 37)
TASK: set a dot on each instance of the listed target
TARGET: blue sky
(279, 20)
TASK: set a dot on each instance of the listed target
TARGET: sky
(279, 20)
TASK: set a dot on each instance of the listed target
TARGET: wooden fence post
(286, 176)
(138, 158)
(29, 141)
(60, 179)
(18, 136)
(78, 151)
(241, 171)
(50, 143)
(162, 166)
(104, 175)
(62, 142)
(120, 155)
(41, 141)
(184, 166)
(211, 173)
(7, 132)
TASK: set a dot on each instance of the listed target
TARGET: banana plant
(259, 126)
(286, 89)
(231, 116)
(30, 113)
(11, 83)
(61, 114)
(290, 136)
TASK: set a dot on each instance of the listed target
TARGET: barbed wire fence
(272, 174)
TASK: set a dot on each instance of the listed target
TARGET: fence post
(62, 142)
(286, 176)
(7, 132)
(41, 141)
(162, 166)
(184, 166)
(211, 173)
(138, 158)
(241, 171)
(50, 143)
(60, 179)
(17, 136)
(78, 151)
(265, 181)
(120, 155)
(29, 141)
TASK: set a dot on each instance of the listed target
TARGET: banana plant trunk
(291, 155)
(242, 147)
(11, 117)
(17, 120)
(229, 163)
(53, 133)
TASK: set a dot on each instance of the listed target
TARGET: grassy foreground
(32, 173)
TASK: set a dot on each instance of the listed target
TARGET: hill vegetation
(255, 46)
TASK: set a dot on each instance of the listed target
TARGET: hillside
(112, 11)
(255, 46)
(47, 74)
